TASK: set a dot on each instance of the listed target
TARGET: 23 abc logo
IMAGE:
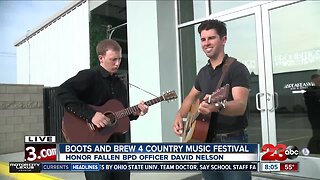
(280, 152)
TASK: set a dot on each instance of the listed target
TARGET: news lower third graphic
(280, 152)
(279, 166)
(40, 148)
(43, 154)
(158, 152)
(35, 167)
(24, 167)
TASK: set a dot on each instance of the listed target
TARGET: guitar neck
(131, 110)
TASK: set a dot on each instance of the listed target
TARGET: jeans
(228, 175)
(109, 175)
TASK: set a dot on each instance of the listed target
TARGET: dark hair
(107, 44)
(219, 26)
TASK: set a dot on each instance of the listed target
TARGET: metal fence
(53, 113)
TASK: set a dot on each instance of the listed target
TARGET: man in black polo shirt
(228, 120)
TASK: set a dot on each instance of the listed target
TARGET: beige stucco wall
(21, 113)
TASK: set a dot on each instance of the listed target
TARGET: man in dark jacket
(95, 87)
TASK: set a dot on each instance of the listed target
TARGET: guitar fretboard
(130, 110)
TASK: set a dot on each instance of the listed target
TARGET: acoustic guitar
(197, 125)
(77, 130)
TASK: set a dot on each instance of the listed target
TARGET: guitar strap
(225, 68)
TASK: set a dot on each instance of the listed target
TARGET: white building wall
(56, 53)
(23, 64)
(152, 65)
(62, 49)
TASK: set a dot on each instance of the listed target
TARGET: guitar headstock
(169, 95)
(220, 94)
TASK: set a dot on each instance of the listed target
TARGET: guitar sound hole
(112, 118)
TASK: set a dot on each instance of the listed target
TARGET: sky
(16, 18)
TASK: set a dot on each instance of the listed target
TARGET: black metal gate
(53, 113)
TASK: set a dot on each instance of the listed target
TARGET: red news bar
(289, 166)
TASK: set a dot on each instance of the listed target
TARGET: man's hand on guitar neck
(143, 109)
(100, 120)
(207, 107)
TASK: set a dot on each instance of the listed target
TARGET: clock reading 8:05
(272, 166)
